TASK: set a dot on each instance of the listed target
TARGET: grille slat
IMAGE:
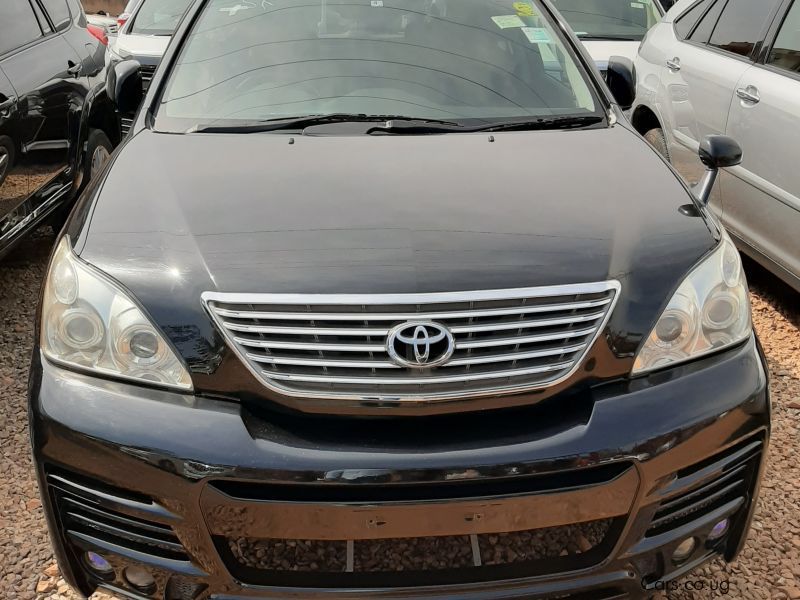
(88, 511)
(327, 346)
(147, 72)
(421, 380)
(720, 480)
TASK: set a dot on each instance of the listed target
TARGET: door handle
(674, 65)
(749, 94)
(74, 69)
(6, 104)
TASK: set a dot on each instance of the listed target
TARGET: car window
(43, 22)
(685, 22)
(702, 33)
(609, 19)
(785, 53)
(59, 13)
(159, 17)
(449, 59)
(741, 24)
(18, 25)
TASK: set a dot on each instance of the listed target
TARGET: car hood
(178, 215)
(137, 46)
(602, 51)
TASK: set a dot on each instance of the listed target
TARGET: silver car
(732, 67)
(144, 36)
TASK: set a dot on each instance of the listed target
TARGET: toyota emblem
(420, 344)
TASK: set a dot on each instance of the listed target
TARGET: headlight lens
(709, 311)
(90, 323)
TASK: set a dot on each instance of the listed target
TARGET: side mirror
(621, 80)
(124, 86)
(716, 152)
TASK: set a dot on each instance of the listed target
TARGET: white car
(732, 67)
(610, 27)
(147, 28)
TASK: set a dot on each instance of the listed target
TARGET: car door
(18, 29)
(702, 73)
(761, 198)
(44, 71)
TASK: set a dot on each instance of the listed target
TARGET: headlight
(708, 312)
(89, 323)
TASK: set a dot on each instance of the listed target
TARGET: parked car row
(732, 67)
(389, 299)
(57, 127)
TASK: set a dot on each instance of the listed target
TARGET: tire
(658, 140)
(98, 149)
(7, 156)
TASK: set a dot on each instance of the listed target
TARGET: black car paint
(54, 89)
(497, 204)
(357, 221)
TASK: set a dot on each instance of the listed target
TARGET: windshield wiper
(608, 38)
(310, 120)
(563, 122)
(422, 126)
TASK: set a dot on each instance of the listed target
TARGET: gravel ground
(769, 567)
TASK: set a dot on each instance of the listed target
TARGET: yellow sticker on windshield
(506, 21)
(524, 9)
(537, 35)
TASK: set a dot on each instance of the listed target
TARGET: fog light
(719, 529)
(98, 565)
(684, 550)
(140, 579)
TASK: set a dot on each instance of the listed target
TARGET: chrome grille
(125, 124)
(334, 346)
(147, 72)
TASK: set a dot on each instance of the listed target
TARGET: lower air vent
(723, 479)
(421, 560)
(113, 516)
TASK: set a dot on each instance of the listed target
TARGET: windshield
(454, 60)
(158, 17)
(609, 19)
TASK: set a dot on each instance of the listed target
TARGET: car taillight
(98, 32)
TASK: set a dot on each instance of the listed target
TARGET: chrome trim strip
(383, 299)
(320, 362)
(458, 362)
(419, 380)
(310, 346)
(482, 360)
(545, 337)
(527, 324)
(424, 316)
(387, 299)
(305, 330)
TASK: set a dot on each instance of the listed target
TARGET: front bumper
(201, 492)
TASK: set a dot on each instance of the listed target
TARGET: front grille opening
(435, 560)
(724, 479)
(520, 340)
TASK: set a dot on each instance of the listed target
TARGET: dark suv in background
(56, 125)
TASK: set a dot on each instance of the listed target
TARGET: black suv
(57, 127)
(402, 308)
